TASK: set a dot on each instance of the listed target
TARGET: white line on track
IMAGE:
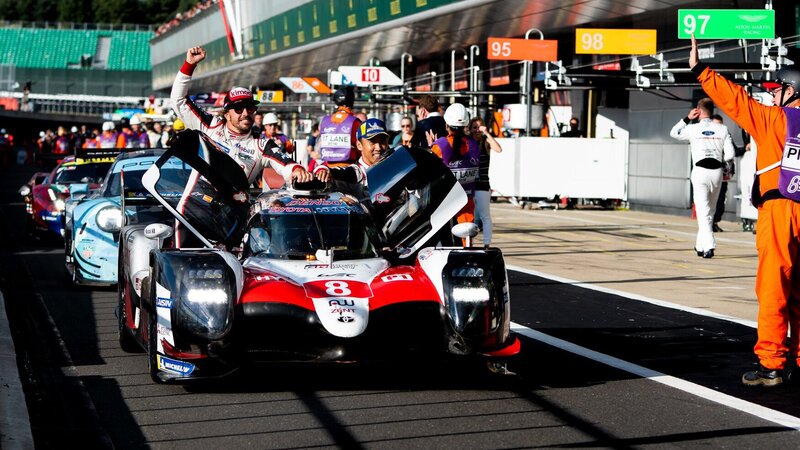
(667, 380)
(683, 385)
(641, 298)
(577, 218)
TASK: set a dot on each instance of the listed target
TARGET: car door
(413, 195)
(203, 188)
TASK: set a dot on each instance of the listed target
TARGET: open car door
(413, 195)
(203, 188)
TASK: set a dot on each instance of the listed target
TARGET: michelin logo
(162, 302)
(175, 366)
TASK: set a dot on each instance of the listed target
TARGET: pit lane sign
(605, 41)
(366, 75)
(726, 23)
(506, 49)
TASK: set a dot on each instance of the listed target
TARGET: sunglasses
(250, 109)
(405, 126)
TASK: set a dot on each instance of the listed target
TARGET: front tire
(126, 340)
(152, 335)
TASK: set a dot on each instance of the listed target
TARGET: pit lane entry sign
(366, 75)
(726, 23)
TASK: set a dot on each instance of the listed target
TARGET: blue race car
(95, 219)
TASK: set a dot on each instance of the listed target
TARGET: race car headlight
(109, 219)
(206, 307)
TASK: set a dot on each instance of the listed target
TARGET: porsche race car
(95, 220)
(308, 275)
(48, 199)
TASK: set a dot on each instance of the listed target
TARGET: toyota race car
(94, 221)
(309, 275)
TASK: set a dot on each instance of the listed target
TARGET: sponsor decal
(708, 133)
(396, 277)
(313, 202)
(207, 198)
(325, 266)
(424, 254)
(162, 302)
(87, 252)
(341, 311)
(290, 209)
(336, 275)
(174, 366)
(245, 150)
(346, 319)
(328, 130)
(268, 278)
(380, 197)
(341, 302)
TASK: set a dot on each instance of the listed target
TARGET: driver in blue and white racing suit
(232, 130)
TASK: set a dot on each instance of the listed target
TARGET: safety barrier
(566, 167)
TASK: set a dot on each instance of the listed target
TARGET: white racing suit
(252, 154)
(710, 143)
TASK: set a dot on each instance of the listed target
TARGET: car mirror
(158, 231)
(325, 256)
(466, 230)
(78, 189)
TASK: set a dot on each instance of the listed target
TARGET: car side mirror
(466, 230)
(158, 231)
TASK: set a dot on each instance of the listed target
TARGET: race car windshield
(298, 236)
(81, 173)
(174, 180)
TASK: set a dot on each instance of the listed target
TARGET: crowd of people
(125, 133)
(182, 17)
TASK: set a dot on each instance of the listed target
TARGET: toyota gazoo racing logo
(380, 197)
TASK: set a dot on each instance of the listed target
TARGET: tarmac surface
(593, 270)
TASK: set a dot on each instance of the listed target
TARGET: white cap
(108, 126)
(73, 130)
(270, 118)
(135, 120)
(456, 115)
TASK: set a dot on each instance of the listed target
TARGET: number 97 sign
(726, 23)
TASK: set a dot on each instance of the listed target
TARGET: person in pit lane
(232, 131)
(372, 142)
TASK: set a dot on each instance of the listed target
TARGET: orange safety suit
(778, 237)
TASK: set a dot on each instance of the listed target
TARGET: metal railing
(76, 25)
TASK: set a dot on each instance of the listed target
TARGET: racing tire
(126, 340)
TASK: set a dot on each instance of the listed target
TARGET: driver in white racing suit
(711, 148)
(232, 130)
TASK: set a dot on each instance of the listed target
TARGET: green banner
(726, 23)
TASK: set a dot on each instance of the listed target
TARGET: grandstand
(78, 59)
